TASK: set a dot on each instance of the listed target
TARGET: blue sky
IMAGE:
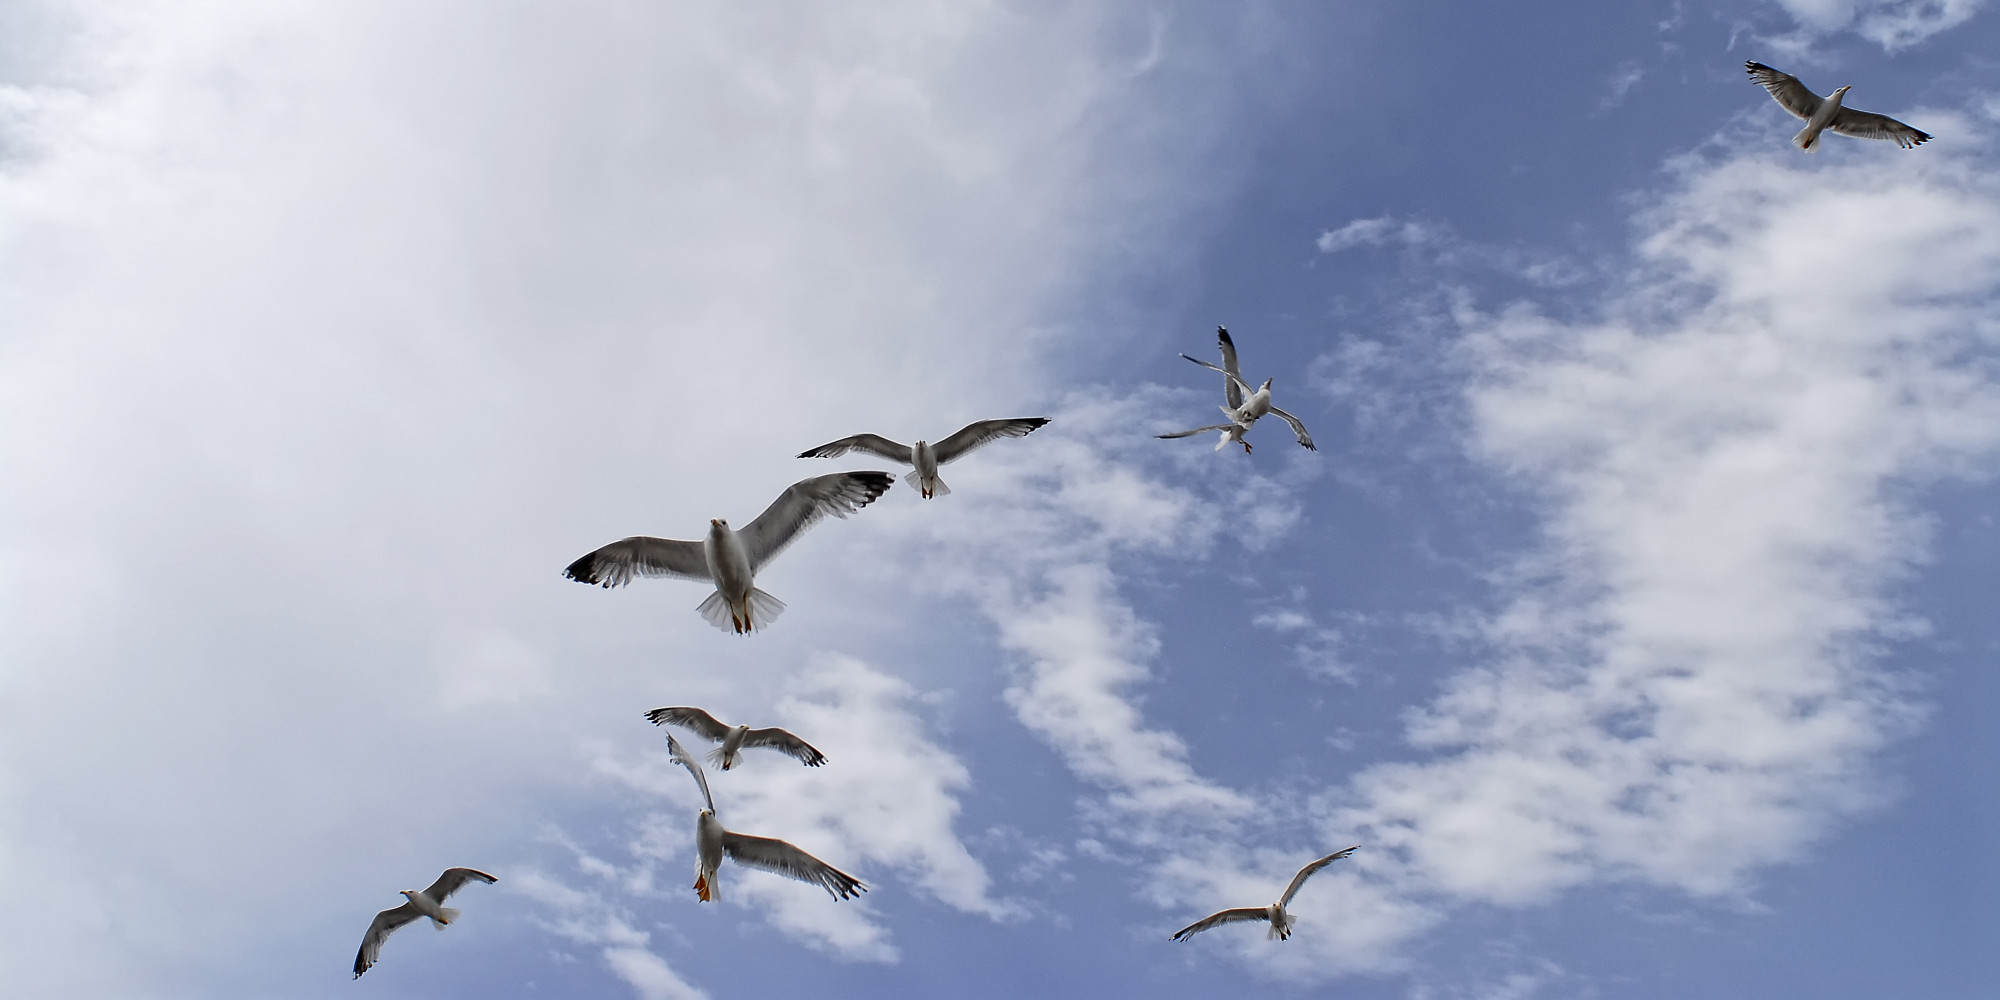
(1629, 615)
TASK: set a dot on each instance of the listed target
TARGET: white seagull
(1826, 112)
(1281, 922)
(1244, 405)
(711, 842)
(735, 738)
(425, 903)
(729, 558)
(925, 456)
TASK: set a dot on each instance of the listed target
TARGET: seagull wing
(452, 878)
(975, 434)
(694, 720)
(1217, 919)
(1785, 88)
(685, 759)
(1307, 872)
(1869, 125)
(1298, 428)
(1230, 385)
(780, 857)
(614, 565)
(1198, 430)
(804, 503)
(785, 743)
(873, 444)
(1235, 386)
(385, 924)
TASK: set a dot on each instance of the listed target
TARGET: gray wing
(614, 565)
(1238, 915)
(806, 502)
(784, 859)
(685, 759)
(1869, 125)
(1230, 385)
(785, 743)
(1198, 430)
(975, 434)
(1233, 383)
(1307, 872)
(694, 720)
(384, 925)
(1785, 88)
(873, 444)
(452, 878)
(1298, 428)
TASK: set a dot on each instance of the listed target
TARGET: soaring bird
(1281, 922)
(925, 456)
(425, 903)
(1243, 405)
(735, 738)
(730, 558)
(1826, 112)
(711, 842)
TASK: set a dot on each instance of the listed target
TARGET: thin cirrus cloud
(1892, 24)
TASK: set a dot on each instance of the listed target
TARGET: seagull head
(1842, 92)
(409, 894)
(1265, 387)
(718, 522)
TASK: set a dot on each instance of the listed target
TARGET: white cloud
(333, 333)
(1892, 24)
(1693, 688)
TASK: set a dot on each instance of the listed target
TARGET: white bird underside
(387, 921)
(702, 724)
(1275, 915)
(1798, 99)
(736, 603)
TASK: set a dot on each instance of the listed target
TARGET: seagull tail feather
(1807, 139)
(764, 609)
(936, 488)
(715, 611)
(450, 917)
(1281, 928)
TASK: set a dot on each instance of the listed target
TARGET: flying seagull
(729, 558)
(1244, 405)
(735, 738)
(426, 903)
(712, 842)
(925, 456)
(1281, 922)
(1826, 112)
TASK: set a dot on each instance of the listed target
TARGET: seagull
(1244, 405)
(735, 738)
(1826, 112)
(925, 456)
(712, 842)
(427, 903)
(1281, 922)
(731, 558)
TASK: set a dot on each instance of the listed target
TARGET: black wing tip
(583, 571)
(1752, 66)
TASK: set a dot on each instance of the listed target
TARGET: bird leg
(701, 887)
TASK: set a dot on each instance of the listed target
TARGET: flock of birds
(729, 559)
